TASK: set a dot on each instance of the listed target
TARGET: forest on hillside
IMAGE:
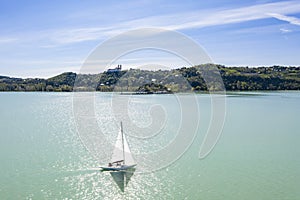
(183, 79)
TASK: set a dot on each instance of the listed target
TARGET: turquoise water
(257, 156)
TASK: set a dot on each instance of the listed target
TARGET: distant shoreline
(143, 82)
(226, 92)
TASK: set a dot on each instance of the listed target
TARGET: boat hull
(120, 168)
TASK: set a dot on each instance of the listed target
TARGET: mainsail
(121, 150)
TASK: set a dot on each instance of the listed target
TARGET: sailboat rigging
(124, 163)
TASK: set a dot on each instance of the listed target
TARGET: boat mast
(123, 143)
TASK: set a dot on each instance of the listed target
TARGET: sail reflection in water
(122, 178)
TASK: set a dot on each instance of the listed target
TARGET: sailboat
(122, 159)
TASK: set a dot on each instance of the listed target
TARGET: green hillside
(163, 81)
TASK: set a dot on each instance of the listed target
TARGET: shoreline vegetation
(136, 81)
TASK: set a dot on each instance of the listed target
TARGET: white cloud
(291, 20)
(172, 21)
(7, 40)
(181, 21)
(284, 30)
(80, 34)
(237, 15)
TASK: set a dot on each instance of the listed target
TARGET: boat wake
(84, 171)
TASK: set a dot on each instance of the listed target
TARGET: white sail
(128, 156)
(118, 150)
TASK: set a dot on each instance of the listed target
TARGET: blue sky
(40, 38)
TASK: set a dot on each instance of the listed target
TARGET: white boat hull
(119, 168)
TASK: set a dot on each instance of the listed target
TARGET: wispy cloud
(183, 21)
(81, 34)
(238, 15)
(259, 30)
(289, 19)
(7, 40)
(284, 30)
(173, 21)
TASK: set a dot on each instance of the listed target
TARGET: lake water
(256, 157)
